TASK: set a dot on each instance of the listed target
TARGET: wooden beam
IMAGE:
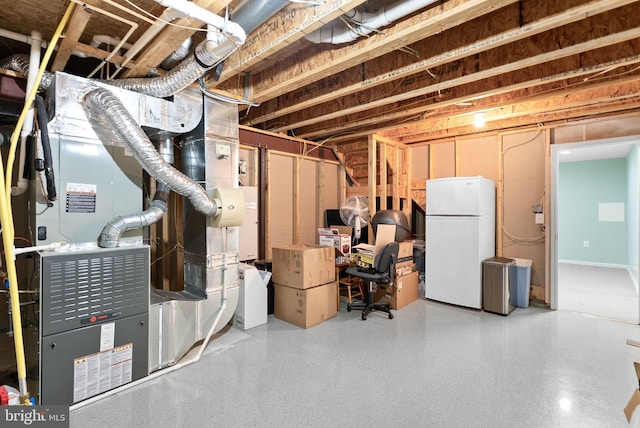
(288, 26)
(353, 106)
(73, 31)
(296, 199)
(372, 182)
(382, 172)
(479, 98)
(493, 41)
(170, 39)
(596, 94)
(282, 78)
(102, 55)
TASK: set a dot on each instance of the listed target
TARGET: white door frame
(555, 172)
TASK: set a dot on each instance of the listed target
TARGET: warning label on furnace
(97, 373)
(81, 198)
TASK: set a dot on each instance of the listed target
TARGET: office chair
(383, 272)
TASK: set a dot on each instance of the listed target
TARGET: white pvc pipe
(35, 248)
(167, 16)
(191, 9)
(369, 22)
(34, 64)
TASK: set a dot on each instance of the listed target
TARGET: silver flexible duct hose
(20, 64)
(206, 56)
(103, 103)
(177, 55)
(112, 232)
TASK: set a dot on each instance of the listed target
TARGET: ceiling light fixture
(479, 120)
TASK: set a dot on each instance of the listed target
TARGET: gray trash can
(520, 275)
(497, 291)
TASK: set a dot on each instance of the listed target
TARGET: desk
(347, 281)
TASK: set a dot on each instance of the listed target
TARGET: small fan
(354, 212)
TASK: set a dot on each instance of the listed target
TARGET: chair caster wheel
(364, 317)
(390, 316)
(348, 308)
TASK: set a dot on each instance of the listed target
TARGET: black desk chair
(383, 272)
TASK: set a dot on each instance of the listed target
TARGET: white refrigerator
(460, 234)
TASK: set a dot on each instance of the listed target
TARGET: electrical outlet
(585, 244)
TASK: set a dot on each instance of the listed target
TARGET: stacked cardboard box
(305, 284)
(404, 288)
(331, 236)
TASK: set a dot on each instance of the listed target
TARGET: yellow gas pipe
(6, 214)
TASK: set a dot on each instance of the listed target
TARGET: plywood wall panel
(308, 197)
(597, 129)
(479, 156)
(442, 160)
(331, 190)
(523, 186)
(281, 185)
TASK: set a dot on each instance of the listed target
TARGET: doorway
(594, 207)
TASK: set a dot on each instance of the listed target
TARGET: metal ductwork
(20, 64)
(366, 23)
(112, 232)
(250, 14)
(177, 55)
(103, 103)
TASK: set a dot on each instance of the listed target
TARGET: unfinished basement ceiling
(426, 77)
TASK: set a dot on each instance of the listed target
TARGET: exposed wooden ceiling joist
(355, 84)
(448, 59)
(285, 77)
(289, 26)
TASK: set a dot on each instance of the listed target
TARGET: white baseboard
(578, 262)
(633, 271)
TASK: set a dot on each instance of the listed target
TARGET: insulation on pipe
(102, 103)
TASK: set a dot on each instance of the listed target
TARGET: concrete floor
(432, 365)
(596, 290)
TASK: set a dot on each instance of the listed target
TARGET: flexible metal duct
(177, 55)
(112, 232)
(103, 103)
(366, 23)
(207, 55)
(20, 64)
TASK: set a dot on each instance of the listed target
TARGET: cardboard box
(306, 308)
(303, 266)
(400, 293)
(404, 265)
(333, 237)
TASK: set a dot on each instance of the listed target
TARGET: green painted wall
(582, 187)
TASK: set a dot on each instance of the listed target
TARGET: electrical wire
(6, 215)
(221, 97)
(535, 240)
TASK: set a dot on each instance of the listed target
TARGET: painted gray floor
(596, 290)
(434, 365)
